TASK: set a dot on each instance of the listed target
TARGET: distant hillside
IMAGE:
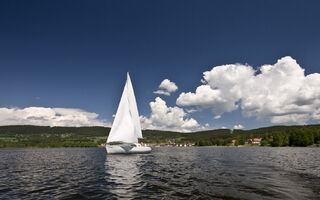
(45, 136)
(271, 129)
(29, 129)
(156, 136)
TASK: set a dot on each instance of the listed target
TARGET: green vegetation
(44, 136)
(276, 136)
(154, 136)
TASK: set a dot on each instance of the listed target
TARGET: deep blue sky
(75, 54)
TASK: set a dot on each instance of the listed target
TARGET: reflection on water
(123, 175)
(165, 173)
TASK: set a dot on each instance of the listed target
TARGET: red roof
(256, 139)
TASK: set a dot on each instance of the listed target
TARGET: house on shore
(255, 141)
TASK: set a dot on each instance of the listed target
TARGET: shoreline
(213, 146)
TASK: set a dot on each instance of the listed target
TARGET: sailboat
(126, 128)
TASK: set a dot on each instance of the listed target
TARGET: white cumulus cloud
(239, 126)
(166, 87)
(163, 117)
(279, 93)
(191, 110)
(42, 116)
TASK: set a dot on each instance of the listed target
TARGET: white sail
(126, 126)
(133, 108)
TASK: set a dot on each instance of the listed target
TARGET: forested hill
(29, 129)
(45, 136)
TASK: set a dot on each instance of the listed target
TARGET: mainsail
(126, 126)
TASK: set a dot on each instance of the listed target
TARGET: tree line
(44, 136)
(276, 137)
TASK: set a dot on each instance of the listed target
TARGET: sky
(194, 65)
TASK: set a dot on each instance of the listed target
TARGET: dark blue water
(166, 173)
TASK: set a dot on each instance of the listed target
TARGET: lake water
(166, 173)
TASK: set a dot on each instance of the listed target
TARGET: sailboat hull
(126, 149)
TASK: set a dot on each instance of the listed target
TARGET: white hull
(127, 149)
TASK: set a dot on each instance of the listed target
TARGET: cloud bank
(239, 126)
(49, 117)
(166, 87)
(279, 93)
(163, 117)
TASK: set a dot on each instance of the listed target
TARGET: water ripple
(166, 173)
